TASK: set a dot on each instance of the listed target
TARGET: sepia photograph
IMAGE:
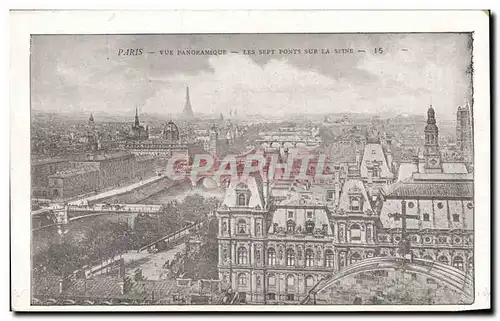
(253, 169)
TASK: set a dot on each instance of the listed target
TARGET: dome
(171, 131)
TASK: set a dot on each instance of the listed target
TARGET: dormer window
(290, 226)
(242, 200)
(242, 195)
(309, 214)
(355, 204)
(355, 199)
(456, 218)
(329, 195)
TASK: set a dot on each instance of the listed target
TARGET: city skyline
(271, 84)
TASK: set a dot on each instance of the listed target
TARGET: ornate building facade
(276, 242)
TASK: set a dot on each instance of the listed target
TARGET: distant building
(138, 132)
(97, 171)
(169, 144)
(188, 110)
(464, 133)
(40, 173)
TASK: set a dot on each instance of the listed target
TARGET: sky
(85, 73)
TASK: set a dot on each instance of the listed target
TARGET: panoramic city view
(244, 169)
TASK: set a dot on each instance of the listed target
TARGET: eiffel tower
(188, 111)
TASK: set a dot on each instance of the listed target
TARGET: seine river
(75, 230)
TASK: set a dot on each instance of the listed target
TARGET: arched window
(355, 257)
(271, 280)
(271, 256)
(329, 258)
(242, 255)
(309, 258)
(309, 226)
(242, 226)
(309, 281)
(290, 257)
(443, 259)
(290, 226)
(242, 199)
(458, 262)
(242, 279)
(290, 280)
(355, 232)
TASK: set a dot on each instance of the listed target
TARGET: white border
(24, 23)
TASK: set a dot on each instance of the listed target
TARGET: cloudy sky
(85, 73)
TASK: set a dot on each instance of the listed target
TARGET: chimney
(416, 162)
(389, 159)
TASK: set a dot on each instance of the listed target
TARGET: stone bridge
(442, 273)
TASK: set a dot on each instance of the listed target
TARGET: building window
(290, 297)
(470, 205)
(271, 296)
(271, 256)
(355, 257)
(427, 239)
(411, 204)
(426, 217)
(309, 226)
(271, 280)
(355, 232)
(257, 255)
(242, 279)
(458, 262)
(257, 281)
(290, 214)
(309, 214)
(290, 257)
(456, 218)
(324, 228)
(440, 205)
(329, 195)
(242, 226)
(329, 258)
(309, 281)
(242, 199)
(443, 259)
(242, 255)
(290, 226)
(309, 258)
(290, 281)
(355, 204)
(458, 240)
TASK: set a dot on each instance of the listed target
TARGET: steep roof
(374, 152)
(355, 186)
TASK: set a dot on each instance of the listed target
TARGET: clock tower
(432, 153)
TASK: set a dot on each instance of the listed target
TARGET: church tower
(432, 153)
(213, 139)
(136, 123)
(464, 132)
(188, 111)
